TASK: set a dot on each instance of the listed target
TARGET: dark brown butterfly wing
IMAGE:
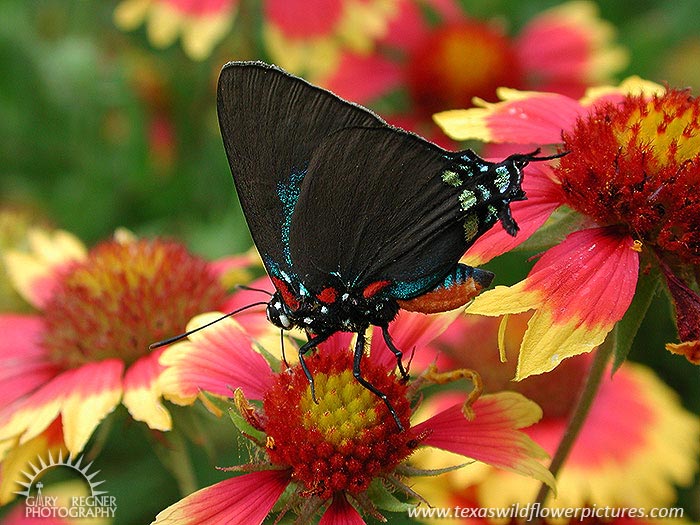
(270, 123)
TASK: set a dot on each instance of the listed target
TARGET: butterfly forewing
(270, 123)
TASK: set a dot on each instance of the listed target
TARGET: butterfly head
(278, 313)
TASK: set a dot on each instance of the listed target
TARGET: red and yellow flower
(326, 455)
(86, 349)
(632, 177)
(200, 24)
(444, 65)
(301, 35)
(637, 445)
(309, 36)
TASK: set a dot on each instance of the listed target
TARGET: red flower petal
(94, 392)
(521, 117)
(225, 265)
(595, 447)
(341, 513)
(410, 331)
(363, 78)
(579, 289)
(142, 392)
(569, 47)
(447, 9)
(243, 500)
(493, 436)
(304, 18)
(215, 360)
(253, 319)
(199, 8)
(408, 28)
(339, 343)
(591, 276)
(83, 396)
(24, 365)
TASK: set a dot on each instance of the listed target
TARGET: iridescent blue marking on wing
(295, 284)
(463, 273)
(288, 193)
(410, 289)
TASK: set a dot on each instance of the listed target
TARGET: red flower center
(458, 62)
(637, 164)
(123, 297)
(346, 440)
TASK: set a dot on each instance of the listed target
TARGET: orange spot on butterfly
(373, 288)
(287, 296)
(327, 295)
(442, 299)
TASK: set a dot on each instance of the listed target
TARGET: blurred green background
(78, 97)
(98, 129)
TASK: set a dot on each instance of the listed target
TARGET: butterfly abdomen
(456, 290)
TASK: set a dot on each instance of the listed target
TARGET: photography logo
(98, 504)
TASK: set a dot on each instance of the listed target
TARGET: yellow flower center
(668, 128)
(345, 408)
(123, 297)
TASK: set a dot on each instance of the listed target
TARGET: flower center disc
(637, 164)
(458, 62)
(348, 438)
(123, 297)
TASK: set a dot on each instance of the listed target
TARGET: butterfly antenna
(251, 289)
(176, 338)
(550, 157)
(524, 158)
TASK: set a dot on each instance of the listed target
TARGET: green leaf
(629, 325)
(218, 402)
(561, 223)
(244, 427)
(385, 500)
(410, 471)
(174, 455)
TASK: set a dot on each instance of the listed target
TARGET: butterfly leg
(357, 373)
(284, 357)
(310, 345)
(398, 353)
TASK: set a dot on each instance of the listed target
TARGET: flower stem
(583, 407)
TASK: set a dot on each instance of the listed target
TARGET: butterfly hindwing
(374, 208)
(270, 123)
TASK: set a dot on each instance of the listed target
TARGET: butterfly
(354, 218)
